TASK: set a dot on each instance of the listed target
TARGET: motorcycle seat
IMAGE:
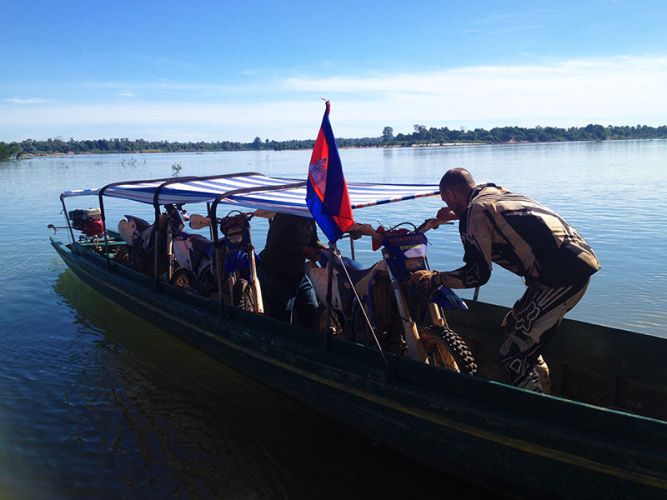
(132, 228)
(126, 231)
(352, 265)
(358, 275)
(356, 270)
(201, 244)
(140, 223)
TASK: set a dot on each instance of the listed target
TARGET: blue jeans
(278, 289)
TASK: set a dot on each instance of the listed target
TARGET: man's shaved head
(457, 179)
(455, 188)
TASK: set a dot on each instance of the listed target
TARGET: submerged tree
(8, 151)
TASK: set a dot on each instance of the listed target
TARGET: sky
(236, 70)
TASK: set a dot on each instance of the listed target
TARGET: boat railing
(164, 182)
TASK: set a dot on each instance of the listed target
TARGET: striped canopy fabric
(259, 192)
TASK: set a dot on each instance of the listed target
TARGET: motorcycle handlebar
(359, 230)
(199, 221)
(429, 224)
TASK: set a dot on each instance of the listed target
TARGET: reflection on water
(145, 414)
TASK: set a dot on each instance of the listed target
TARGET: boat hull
(481, 431)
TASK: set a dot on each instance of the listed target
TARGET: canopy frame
(286, 184)
(156, 205)
(213, 217)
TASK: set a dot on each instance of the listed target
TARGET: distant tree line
(8, 150)
(420, 136)
(497, 135)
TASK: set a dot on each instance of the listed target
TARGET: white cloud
(126, 93)
(619, 90)
(280, 120)
(183, 87)
(26, 100)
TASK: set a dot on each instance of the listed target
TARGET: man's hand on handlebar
(429, 224)
(445, 214)
(358, 230)
(426, 281)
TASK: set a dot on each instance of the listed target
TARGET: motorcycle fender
(127, 229)
(182, 254)
(363, 286)
(318, 277)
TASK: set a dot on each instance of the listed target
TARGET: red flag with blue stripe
(326, 192)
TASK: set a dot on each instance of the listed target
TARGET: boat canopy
(250, 190)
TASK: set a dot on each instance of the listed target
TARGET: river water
(95, 401)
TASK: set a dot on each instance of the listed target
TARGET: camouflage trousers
(530, 325)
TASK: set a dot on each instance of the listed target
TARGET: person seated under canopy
(290, 240)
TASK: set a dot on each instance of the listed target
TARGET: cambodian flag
(326, 192)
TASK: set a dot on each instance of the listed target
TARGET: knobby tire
(243, 296)
(182, 278)
(439, 342)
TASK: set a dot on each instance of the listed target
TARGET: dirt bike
(190, 256)
(383, 311)
(197, 256)
(140, 238)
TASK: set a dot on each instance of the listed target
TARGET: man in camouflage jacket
(529, 240)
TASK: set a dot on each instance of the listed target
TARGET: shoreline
(29, 156)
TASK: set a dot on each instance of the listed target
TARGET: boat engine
(88, 221)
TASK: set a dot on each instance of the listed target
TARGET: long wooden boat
(601, 434)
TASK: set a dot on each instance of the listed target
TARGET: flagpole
(328, 201)
(329, 309)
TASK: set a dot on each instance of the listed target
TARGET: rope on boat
(388, 370)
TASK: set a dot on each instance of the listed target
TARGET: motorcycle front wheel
(243, 296)
(335, 325)
(446, 349)
(182, 278)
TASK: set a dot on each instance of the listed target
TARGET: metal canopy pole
(328, 309)
(164, 182)
(69, 225)
(156, 225)
(156, 206)
(100, 196)
(172, 180)
(106, 237)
